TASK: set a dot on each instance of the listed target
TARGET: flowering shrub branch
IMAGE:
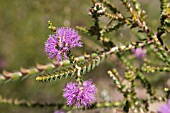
(80, 94)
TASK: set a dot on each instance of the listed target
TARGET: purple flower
(3, 63)
(79, 95)
(58, 44)
(59, 111)
(139, 52)
(165, 108)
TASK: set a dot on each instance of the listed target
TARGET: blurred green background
(23, 31)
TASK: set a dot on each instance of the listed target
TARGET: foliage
(150, 42)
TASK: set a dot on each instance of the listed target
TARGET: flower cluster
(79, 95)
(165, 108)
(139, 52)
(59, 44)
(59, 111)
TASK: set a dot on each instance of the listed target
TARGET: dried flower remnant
(59, 44)
(165, 108)
(98, 8)
(80, 95)
(139, 52)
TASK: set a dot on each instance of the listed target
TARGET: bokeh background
(23, 31)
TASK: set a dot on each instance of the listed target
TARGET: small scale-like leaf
(93, 64)
(89, 67)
